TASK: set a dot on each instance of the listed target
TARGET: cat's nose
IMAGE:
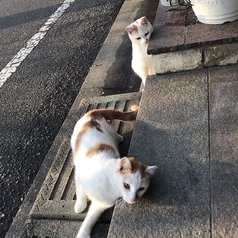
(133, 200)
(145, 42)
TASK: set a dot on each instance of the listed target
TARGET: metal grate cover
(57, 194)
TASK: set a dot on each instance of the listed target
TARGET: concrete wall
(196, 58)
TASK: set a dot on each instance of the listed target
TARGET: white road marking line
(11, 67)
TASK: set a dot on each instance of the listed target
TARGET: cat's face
(140, 31)
(134, 179)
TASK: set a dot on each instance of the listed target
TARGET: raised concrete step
(180, 42)
(187, 126)
(48, 210)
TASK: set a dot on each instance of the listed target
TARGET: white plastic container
(215, 11)
(210, 11)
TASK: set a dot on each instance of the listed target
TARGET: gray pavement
(187, 124)
(172, 126)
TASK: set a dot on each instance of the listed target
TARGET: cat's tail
(111, 114)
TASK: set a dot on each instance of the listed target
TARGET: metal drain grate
(57, 194)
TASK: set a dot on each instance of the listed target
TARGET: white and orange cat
(100, 174)
(139, 33)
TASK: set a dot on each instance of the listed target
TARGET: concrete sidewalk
(187, 125)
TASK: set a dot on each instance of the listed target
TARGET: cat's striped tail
(111, 114)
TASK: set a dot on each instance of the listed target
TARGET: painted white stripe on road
(11, 67)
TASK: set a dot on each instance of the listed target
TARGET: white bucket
(210, 11)
(215, 11)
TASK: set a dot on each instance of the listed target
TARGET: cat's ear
(144, 21)
(150, 170)
(125, 165)
(131, 28)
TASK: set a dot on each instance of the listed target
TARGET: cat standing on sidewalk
(139, 33)
(100, 174)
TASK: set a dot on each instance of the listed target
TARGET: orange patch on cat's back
(99, 148)
(90, 124)
(95, 113)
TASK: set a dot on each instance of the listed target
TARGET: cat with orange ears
(100, 174)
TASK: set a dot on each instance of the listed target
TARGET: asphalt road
(35, 100)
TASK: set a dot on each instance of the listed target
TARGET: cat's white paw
(80, 206)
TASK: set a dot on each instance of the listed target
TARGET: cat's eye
(126, 185)
(138, 38)
(141, 189)
(146, 34)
